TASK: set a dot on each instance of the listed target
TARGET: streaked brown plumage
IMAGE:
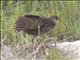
(30, 23)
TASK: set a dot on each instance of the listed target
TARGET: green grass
(68, 11)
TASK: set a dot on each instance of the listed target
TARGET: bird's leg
(34, 41)
(38, 34)
(38, 30)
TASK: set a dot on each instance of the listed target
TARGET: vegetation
(68, 11)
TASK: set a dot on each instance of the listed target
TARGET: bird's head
(54, 19)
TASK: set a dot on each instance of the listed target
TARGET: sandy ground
(68, 49)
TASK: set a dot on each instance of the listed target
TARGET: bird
(35, 25)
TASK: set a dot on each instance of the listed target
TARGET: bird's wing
(33, 22)
(29, 22)
(20, 23)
